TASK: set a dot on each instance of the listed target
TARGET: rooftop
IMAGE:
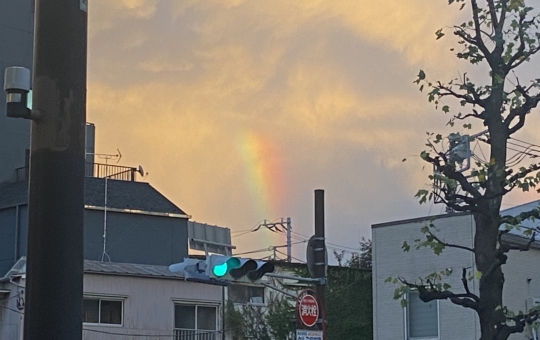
(124, 195)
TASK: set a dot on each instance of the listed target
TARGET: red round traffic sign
(308, 310)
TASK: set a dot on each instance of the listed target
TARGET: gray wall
(389, 260)
(131, 238)
(136, 238)
(16, 46)
(13, 236)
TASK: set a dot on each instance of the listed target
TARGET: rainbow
(265, 175)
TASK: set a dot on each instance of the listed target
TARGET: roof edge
(419, 219)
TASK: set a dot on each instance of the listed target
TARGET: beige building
(128, 301)
(442, 320)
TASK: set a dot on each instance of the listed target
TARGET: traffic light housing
(236, 269)
(192, 269)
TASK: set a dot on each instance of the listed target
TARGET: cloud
(174, 84)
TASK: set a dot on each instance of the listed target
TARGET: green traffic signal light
(221, 270)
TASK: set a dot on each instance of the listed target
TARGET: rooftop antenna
(106, 157)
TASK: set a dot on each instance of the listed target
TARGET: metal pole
(320, 253)
(289, 243)
(56, 191)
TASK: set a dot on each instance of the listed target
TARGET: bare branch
(465, 283)
(429, 294)
(450, 245)
(473, 98)
(478, 32)
(519, 322)
(520, 112)
(493, 14)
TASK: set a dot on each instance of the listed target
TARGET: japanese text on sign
(308, 335)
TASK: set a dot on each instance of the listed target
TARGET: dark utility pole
(56, 191)
(319, 254)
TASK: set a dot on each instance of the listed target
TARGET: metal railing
(191, 334)
(98, 170)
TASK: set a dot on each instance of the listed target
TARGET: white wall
(149, 303)
(390, 261)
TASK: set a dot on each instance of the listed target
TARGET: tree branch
(426, 294)
(516, 220)
(478, 31)
(450, 245)
(475, 99)
(521, 112)
(519, 321)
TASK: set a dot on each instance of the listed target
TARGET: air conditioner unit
(257, 301)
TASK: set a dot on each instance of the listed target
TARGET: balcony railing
(191, 334)
(98, 170)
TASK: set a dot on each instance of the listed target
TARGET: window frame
(105, 298)
(197, 305)
(406, 314)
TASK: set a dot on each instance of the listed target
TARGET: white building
(442, 320)
(128, 301)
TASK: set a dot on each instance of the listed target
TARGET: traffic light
(193, 269)
(237, 269)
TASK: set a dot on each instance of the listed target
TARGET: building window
(102, 311)
(422, 318)
(191, 320)
(245, 294)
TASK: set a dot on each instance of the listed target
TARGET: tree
(349, 303)
(358, 260)
(503, 35)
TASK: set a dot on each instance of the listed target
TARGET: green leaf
(406, 247)
(446, 109)
(478, 275)
(439, 34)
(514, 5)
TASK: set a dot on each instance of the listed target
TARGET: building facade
(442, 320)
(128, 301)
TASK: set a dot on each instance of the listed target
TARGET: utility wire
(327, 242)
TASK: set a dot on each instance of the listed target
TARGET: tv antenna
(107, 157)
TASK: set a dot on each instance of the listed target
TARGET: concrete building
(442, 320)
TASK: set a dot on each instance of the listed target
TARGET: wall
(135, 238)
(11, 317)
(517, 289)
(149, 303)
(16, 41)
(13, 236)
(389, 260)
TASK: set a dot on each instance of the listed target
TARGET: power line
(327, 242)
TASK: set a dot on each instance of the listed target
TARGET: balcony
(191, 334)
(97, 170)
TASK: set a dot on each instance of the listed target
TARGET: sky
(239, 109)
